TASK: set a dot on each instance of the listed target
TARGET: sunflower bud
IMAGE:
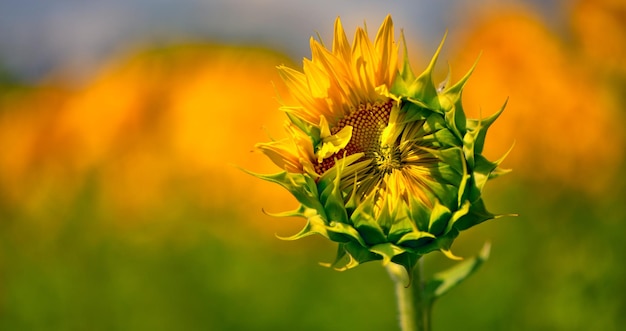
(382, 162)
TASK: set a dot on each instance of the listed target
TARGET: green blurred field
(122, 207)
(556, 267)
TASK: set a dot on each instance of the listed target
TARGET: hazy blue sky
(38, 35)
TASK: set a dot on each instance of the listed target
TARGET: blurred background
(123, 125)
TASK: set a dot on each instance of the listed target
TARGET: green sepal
(479, 128)
(434, 122)
(454, 92)
(463, 191)
(439, 217)
(360, 254)
(332, 198)
(416, 239)
(454, 159)
(482, 173)
(477, 214)
(474, 139)
(406, 73)
(497, 172)
(335, 209)
(402, 223)
(420, 89)
(444, 281)
(419, 213)
(421, 243)
(387, 251)
(301, 211)
(469, 141)
(442, 186)
(341, 253)
(444, 242)
(420, 104)
(341, 232)
(445, 192)
(408, 261)
(366, 224)
(386, 217)
(314, 225)
(453, 175)
(457, 215)
(456, 120)
(423, 87)
(450, 101)
(400, 84)
(301, 186)
(354, 200)
(443, 138)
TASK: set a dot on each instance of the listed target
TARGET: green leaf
(444, 281)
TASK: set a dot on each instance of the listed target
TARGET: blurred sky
(39, 36)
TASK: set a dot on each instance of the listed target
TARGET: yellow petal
(364, 59)
(333, 144)
(341, 47)
(280, 153)
(388, 52)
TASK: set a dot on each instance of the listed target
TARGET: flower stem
(413, 304)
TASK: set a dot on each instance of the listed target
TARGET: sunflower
(382, 162)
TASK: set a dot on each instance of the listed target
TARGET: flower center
(388, 158)
(368, 123)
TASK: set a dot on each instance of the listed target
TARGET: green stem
(413, 304)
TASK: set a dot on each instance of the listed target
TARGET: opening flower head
(382, 161)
